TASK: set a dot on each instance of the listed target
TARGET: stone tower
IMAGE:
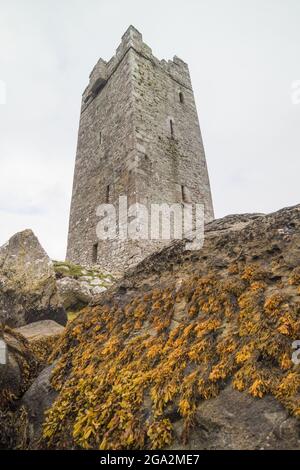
(139, 136)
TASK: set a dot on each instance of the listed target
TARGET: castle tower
(139, 136)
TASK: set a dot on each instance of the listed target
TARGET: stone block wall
(139, 136)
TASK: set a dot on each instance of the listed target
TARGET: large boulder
(73, 292)
(19, 365)
(40, 330)
(191, 349)
(79, 285)
(76, 292)
(17, 371)
(25, 353)
(42, 337)
(28, 291)
(38, 399)
(237, 421)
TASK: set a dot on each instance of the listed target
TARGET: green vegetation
(67, 269)
(74, 312)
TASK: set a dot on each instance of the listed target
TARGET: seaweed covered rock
(239, 421)
(43, 337)
(28, 350)
(16, 375)
(188, 347)
(36, 401)
(28, 289)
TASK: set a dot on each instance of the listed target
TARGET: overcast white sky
(243, 57)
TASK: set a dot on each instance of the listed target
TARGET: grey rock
(20, 366)
(73, 291)
(237, 421)
(10, 375)
(98, 290)
(41, 329)
(16, 374)
(232, 420)
(28, 289)
(78, 291)
(38, 398)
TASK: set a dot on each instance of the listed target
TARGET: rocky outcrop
(40, 330)
(28, 291)
(237, 421)
(16, 375)
(20, 367)
(43, 337)
(74, 292)
(36, 401)
(28, 350)
(191, 349)
(78, 285)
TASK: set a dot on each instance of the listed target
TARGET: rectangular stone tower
(139, 136)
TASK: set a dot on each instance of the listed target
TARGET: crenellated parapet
(132, 39)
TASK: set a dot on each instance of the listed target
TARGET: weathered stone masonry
(139, 136)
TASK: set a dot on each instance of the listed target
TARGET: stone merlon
(132, 39)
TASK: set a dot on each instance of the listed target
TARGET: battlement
(132, 39)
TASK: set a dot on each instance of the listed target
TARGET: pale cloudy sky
(243, 57)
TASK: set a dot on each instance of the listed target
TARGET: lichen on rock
(79, 285)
